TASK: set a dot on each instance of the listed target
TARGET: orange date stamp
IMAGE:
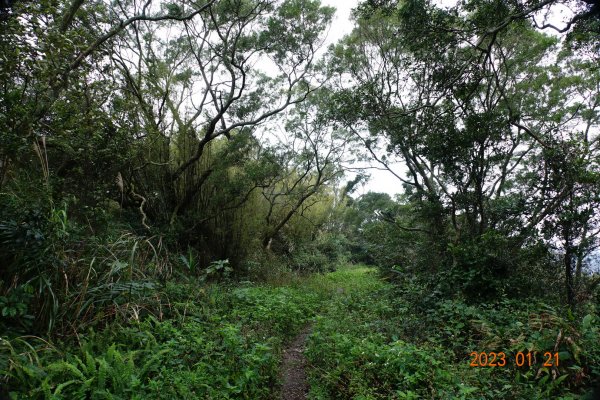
(521, 359)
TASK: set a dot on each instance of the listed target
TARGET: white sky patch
(341, 24)
(381, 181)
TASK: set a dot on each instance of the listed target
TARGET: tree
(313, 153)
(463, 100)
(134, 113)
(206, 85)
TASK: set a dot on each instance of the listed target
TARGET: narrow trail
(293, 368)
(335, 290)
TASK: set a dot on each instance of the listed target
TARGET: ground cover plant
(211, 342)
(375, 343)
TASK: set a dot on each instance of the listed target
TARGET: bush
(321, 255)
(309, 259)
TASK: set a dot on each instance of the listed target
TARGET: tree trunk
(269, 237)
(568, 264)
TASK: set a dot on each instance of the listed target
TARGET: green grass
(370, 340)
(214, 342)
(376, 340)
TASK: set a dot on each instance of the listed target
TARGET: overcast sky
(341, 24)
(381, 181)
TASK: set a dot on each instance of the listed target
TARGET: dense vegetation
(178, 198)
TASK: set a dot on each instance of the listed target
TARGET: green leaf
(588, 320)
(560, 379)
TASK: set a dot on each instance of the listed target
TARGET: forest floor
(300, 376)
(331, 288)
(347, 334)
(371, 339)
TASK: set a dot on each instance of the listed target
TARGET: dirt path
(293, 369)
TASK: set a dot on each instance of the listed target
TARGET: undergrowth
(384, 341)
(211, 341)
(370, 339)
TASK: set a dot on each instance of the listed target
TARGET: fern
(103, 369)
(153, 362)
(65, 367)
(45, 386)
(63, 385)
(90, 364)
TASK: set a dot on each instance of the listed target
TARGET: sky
(381, 181)
(341, 24)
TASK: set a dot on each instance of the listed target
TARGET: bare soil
(293, 368)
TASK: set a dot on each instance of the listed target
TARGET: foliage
(496, 143)
(102, 138)
(151, 166)
(321, 255)
(211, 341)
(369, 343)
(366, 340)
